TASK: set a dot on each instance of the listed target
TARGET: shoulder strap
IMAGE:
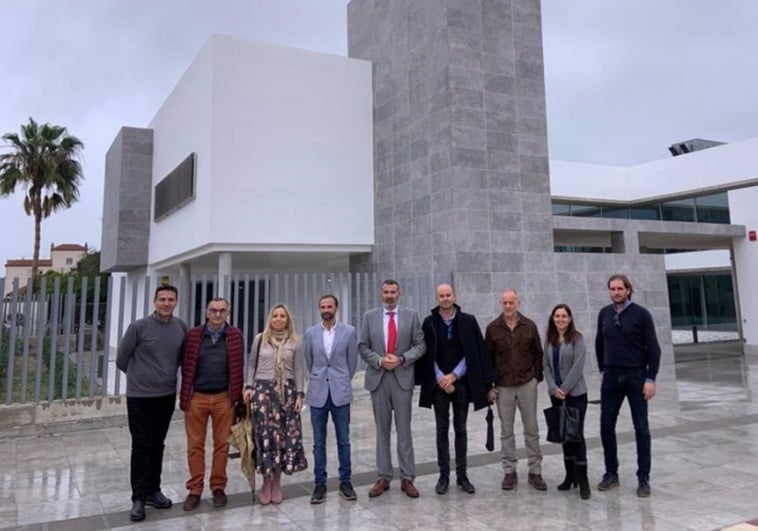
(258, 352)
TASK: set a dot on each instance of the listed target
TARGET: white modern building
(698, 208)
(424, 153)
(260, 159)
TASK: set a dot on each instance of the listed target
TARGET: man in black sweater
(456, 370)
(628, 357)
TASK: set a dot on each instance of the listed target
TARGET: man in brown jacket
(514, 344)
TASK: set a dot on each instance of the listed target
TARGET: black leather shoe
(442, 485)
(609, 481)
(219, 498)
(137, 513)
(465, 485)
(347, 492)
(643, 489)
(158, 500)
(319, 494)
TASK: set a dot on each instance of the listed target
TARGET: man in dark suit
(390, 342)
(456, 370)
(331, 357)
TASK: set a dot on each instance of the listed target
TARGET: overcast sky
(624, 79)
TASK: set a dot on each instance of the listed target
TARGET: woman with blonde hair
(276, 385)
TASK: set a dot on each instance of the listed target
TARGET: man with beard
(331, 357)
(391, 341)
(628, 357)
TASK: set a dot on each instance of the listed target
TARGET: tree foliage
(43, 161)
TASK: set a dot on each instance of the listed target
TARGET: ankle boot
(276, 488)
(569, 481)
(265, 496)
(584, 484)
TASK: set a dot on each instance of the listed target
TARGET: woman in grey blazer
(564, 373)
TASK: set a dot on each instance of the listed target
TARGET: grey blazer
(330, 376)
(410, 344)
(571, 366)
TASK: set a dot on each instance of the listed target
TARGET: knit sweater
(150, 353)
(629, 342)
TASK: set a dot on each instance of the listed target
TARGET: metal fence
(59, 339)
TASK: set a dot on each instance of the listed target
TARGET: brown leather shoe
(509, 481)
(406, 485)
(379, 487)
(536, 481)
(219, 498)
(191, 502)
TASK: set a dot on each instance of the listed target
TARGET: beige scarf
(278, 340)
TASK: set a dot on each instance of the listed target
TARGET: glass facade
(712, 208)
(702, 300)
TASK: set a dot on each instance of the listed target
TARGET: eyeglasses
(616, 321)
(219, 311)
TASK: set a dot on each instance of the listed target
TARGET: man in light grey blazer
(331, 357)
(391, 341)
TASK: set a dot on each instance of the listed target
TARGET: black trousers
(575, 450)
(442, 402)
(149, 419)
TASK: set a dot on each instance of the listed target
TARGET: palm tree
(44, 160)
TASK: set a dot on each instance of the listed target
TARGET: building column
(224, 275)
(185, 289)
(625, 242)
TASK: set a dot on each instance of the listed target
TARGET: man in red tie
(391, 340)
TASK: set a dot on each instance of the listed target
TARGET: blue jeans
(341, 419)
(616, 386)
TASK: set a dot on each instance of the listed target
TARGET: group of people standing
(447, 356)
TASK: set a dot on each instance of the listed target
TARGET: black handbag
(563, 424)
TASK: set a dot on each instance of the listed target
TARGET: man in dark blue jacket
(628, 357)
(456, 370)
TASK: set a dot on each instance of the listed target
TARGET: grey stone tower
(460, 143)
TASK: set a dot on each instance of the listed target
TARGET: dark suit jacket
(479, 372)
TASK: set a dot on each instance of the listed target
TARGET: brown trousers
(219, 408)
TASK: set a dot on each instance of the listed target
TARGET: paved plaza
(705, 471)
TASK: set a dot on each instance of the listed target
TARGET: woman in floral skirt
(276, 385)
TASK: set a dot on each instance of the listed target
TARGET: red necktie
(391, 334)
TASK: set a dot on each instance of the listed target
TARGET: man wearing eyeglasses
(628, 357)
(212, 382)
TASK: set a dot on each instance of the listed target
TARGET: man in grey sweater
(150, 354)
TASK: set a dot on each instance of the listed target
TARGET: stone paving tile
(705, 473)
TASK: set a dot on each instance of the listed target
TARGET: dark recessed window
(176, 189)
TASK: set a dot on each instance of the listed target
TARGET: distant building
(63, 258)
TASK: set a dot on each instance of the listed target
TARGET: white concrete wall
(292, 141)
(284, 144)
(698, 260)
(743, 211)
(182, 126)
(704, 169)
